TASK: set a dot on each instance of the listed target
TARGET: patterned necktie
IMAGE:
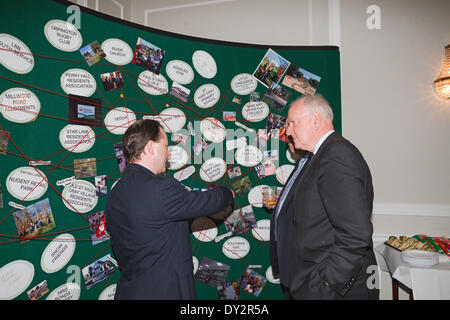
(293, 177)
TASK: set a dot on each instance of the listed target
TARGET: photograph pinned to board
(228, 291)
(234, 172)
(120, 157)
(85, 111)
(275, 127)
(4, 138)
(1, 196)
(180, 92)
(112, 80)
(34, 220)
(271, 68)
(92, 53)
(38, 291)
(277, 97)
(211, 272)
(229, 115)
(252, 282)
(98, 270)
(84, 168)
(240, 221)
(265, 168)
(242, 186)
(301, 80)
(101, 188)
(148, 56)
(97, 227)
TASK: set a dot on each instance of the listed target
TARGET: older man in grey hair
(332, 198)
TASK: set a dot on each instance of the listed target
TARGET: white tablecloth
(427, 283)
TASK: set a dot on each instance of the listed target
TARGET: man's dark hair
(137, 136)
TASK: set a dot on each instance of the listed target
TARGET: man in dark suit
(147, 217)
(281, 223)
(333, 198)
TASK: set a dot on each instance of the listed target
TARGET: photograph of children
(241, 186)
(229, 116)
(274, 125)
(3, 142)
(85, 111)
(92, 53)
(97, 226)
(240, 221)
(301, 80)
(228, 291)
(34, 220)
(98, 270)
(148, 56)
(38, 291)
(234, 172)
(180, 92)
(265, 168)
(100, 185)
(85, 167)
(270, 155)
(112, 81)
(118, 152)
(211, 272)
(252, 282)
(271, 68)
(276, 97)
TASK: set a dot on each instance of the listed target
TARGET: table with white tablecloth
(426, 283)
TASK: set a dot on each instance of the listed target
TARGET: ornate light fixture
(442, 83)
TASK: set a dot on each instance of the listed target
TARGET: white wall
(389, 108)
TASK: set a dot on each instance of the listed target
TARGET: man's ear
(149, 148)
(316, 120)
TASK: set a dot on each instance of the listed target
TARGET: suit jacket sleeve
(178, 203)
(347, 198)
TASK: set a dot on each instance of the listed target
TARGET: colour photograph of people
(148, 56)
(271, 68)
(112, 81)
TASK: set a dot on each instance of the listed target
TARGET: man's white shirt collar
(319, 143)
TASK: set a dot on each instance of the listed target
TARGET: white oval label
(77, 138)
(21, 181)
(243, 84)
(15, 55)
(270, 277)
(108, 293)
(119, 119)
(213, 130)
(179, 71)
(117, 51)
(184, 174)
(255, 197)
(58, 253)
(178, 157)
(154, 84)
(80, 196)
(236, 248)
(207, 235)
(213, 169)
(204, 63)
(63, 35)
(66, 291)
(15, 277)
(255, 111)
(171, 119)
(207, 96)
(19, 105)
(78, 82)
(248, 156)
(262, 230)
(283, 173)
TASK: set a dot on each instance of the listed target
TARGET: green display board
(59, 108)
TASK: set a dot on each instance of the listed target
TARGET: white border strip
(195, 4)
(334, 22)
(405, 209)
